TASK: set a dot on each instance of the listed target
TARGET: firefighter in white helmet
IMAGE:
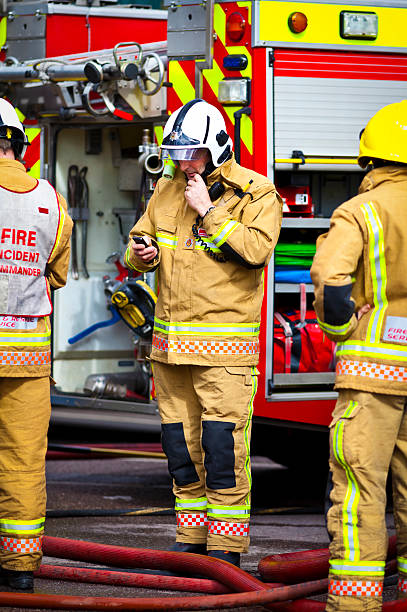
(359, 273)
(210, 231)
(34, 252)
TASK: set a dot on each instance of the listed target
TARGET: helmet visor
(180, 154)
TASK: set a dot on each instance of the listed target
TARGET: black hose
(70, 513)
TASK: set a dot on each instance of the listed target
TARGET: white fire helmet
(12, 129)
(196, 125)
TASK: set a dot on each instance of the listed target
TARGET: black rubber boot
(198, 549)
(17, 580)
(226, 555)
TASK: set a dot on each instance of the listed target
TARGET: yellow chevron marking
(247, 5)
(3, 31)
(32, 133)
(220, 29)
(182, 84)
(35, 170)
(20, 115)
(213, 77)
(219, 23)
(158, 132)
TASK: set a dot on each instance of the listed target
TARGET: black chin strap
(209, 168)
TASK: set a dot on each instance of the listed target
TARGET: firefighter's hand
(145, 254)
(196, 195)
(363, 311)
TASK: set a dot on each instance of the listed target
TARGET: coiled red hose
(232, 577)
(121, 556)
(206, 602)
(257, 593)
(154, 581)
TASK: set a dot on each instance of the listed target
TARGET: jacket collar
(228, 172)
(392, 174)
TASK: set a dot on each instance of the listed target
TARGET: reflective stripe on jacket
(208, 312)
(362, 260)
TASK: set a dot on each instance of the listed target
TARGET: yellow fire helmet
(385, 136)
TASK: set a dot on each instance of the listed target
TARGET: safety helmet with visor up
(12, 129)
(195, 126)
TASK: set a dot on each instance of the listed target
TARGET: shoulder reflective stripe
(334, 329)
(224, 232)
(212, 329)
(377, 270)
(370, 349)
(350, 504)
(168, 241)
(368, 568)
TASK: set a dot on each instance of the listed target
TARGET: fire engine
(296, 83)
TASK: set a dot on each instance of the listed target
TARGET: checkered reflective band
(206, 347)
(21, 545)
(25, 358)
(356, 588)
(402, 585)
(379, 371)
(192, 519)
(224, 528)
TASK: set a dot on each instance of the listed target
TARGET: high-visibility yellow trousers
(368, 436)
(25, 410)
(206, 415)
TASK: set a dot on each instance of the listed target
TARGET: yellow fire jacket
(25, 342)
(362, 260)
(208, 312)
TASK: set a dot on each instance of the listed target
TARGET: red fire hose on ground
(291, 568)
(221, 575)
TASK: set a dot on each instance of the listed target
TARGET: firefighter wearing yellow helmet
(359, 273)
(34, 254)
(209, 232)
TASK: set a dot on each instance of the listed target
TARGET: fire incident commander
(34, 253)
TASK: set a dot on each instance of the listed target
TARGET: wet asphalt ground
(288, 515)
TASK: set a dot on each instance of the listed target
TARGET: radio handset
(216, 190)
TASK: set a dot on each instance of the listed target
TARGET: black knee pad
(180, 464)
(219, 447)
